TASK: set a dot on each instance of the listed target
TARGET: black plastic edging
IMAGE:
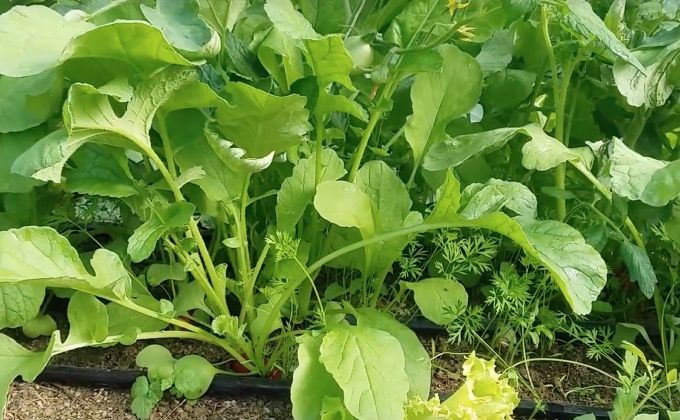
(230, 386)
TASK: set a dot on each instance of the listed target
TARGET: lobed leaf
(576, 267)
(261, 123)
(581, 19)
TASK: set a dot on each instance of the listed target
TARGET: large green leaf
(576, 267)
(455, 151)
(439, 299)
(284, 16)
(311, 382)
(297, 191)
(48, 40)
(441, 96)
(651, 88)
(344, 204)
(189, 142)
(143, 241)
(581, 19)
(282, 58)
(33, 39)
(12, 146)
(89, 117)
(642, 178)
(29, 101)
(496, 194)
(326, 16)
(19, 304)
(16, 361)
(88, 320)
(222, 14)
(369, 365)
(640, 267)
(100, 170)
(193, 376)
(260, 123)
(541, 152)
(182, 26)
(377, 202)
(40, 256)
(418, 365)
(331, 63)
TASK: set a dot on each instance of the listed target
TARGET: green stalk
(448, 34)
(560, 98)
(636, 126)
(216, 292)
(376, 114)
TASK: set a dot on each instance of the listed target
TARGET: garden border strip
(230, 386)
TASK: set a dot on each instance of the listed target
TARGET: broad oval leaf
(369, 366)
(418, 365)
(439, 299)
(261, 123)
(640, 267)
(33, 39)
(441, 96)
(40, 256)
(19, 304)
(638, 177)
(88, 320)
(311, 381)
(29, 101)
(344, 204)
(288, 20)
(297, 191)
(193, 376)
(497, 194)
(182, 26)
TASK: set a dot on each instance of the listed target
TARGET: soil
(552, 382)
(55, 402)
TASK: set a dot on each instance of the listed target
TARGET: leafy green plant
(640, 391)
(251, 149)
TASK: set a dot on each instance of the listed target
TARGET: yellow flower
(455, 4)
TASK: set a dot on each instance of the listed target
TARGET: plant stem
(636, 127)
(167, 147)
(446, 36)
(560, 99)
(603, 190)
(319, 149)
(376, 114)
(216, 292)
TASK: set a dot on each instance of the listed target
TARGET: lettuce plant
(483, 395)
(237, 141)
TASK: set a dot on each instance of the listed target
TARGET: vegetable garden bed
(239, 197)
